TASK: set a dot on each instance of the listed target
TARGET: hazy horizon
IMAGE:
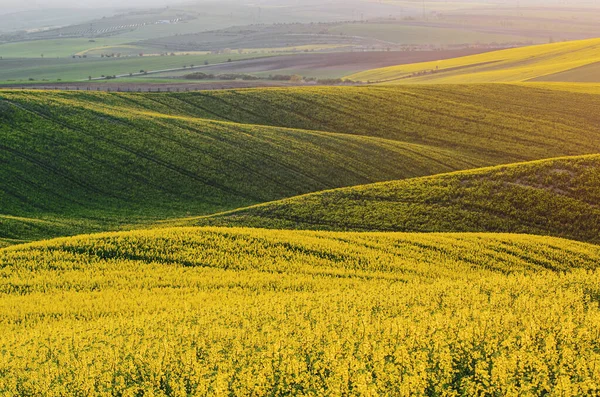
(10, 6)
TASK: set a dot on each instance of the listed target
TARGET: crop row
(557, 197)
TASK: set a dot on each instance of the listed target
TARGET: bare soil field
(311, 65)
(128, 86)
(583, 74)
(342, 62)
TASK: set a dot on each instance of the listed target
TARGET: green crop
(76, 162)
(557, 197)
(49, 70)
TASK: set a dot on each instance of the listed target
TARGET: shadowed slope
(75, 162)
(68, 168)
(559, 197)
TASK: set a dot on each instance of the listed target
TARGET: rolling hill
(573, 61)
(359, 240)
(472, 304)
(208, 311)
(558, 197)
(76, 162)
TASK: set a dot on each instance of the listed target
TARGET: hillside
(572, 61)
(194, 311)
(557, 197)
(71, 164)
(76, 162)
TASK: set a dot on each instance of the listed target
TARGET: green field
(56, 48)
(76, 162)
(79, 162)
(69, 69)
(192, 311)
(513, 65)
(549, 197)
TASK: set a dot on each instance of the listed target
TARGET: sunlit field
(194, 200)
(194, 311)
(511, 65)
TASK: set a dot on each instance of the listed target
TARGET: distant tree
(42, 55)
(229, 60)
(90, 78)
(205, 62)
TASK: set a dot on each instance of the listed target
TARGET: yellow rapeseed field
(511, 65)
(250, 312)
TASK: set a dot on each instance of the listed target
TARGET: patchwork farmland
(301, 199)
